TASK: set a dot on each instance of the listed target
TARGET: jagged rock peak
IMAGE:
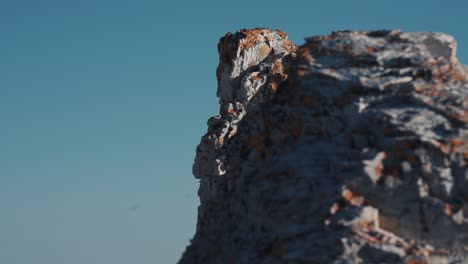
(245, 58)
(351, 148)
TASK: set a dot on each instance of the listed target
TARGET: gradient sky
(102, 104)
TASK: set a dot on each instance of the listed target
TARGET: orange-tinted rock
(352, 148)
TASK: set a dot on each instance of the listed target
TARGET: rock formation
(351, 148)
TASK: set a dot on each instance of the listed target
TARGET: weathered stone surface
(351, 148)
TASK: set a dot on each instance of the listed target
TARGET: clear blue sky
(102, 104)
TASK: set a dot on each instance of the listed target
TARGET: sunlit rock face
(351, 148)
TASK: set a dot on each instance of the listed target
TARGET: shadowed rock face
(351, 148)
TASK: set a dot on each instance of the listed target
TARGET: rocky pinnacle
(352, 148)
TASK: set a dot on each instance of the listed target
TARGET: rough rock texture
(352, 148)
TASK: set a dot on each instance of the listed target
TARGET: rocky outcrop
(351, 148)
